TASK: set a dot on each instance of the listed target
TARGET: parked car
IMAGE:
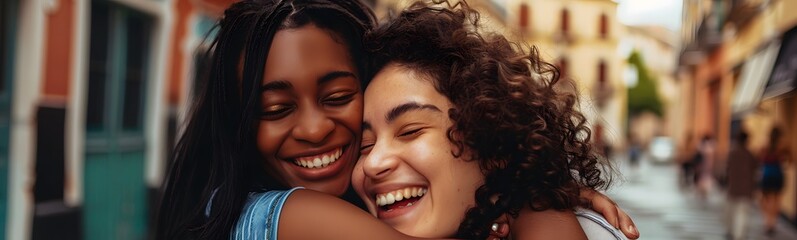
(661, 149)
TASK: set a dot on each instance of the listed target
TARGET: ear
(500, 228)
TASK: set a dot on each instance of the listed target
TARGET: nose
(380, 162)
(313, 126)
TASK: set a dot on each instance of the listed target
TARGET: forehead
(305, 52)
(395, 85)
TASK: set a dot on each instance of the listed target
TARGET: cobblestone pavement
(662, 209)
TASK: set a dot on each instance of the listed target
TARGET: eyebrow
(407, 107)
(283, 84)
(276, 85)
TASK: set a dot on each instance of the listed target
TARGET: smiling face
(311, 111)
(407, 174)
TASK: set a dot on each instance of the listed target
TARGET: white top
(596, 227)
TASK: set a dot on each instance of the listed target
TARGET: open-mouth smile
(400, 198)
(320, 160)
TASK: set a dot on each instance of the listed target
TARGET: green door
(8, 19)
(114, 185)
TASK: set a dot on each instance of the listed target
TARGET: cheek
(357, 180)
(270, 137)
(472, 180)
(352, 115)
(466, 179)
(358, 177)
(470, 176)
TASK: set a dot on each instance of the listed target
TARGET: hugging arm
(548, 224)
(313, 215)
(614, 215)
(563, 224)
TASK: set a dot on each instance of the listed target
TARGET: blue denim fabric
(260, 216)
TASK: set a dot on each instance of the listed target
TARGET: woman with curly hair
(461, 128)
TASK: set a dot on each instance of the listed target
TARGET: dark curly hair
(531, 142)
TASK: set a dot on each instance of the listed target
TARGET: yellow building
(733, 68)
(581, 37)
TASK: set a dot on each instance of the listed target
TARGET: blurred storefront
(738, 63)
(8, 23)
(90, 96)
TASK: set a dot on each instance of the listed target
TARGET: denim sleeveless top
(260, 216)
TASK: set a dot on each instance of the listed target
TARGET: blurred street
(662, 209)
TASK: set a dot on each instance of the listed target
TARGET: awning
(784, 75)
(754, 75)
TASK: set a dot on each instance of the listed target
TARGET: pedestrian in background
(704, 166)
(634, 152)
(741, 171)
(772, 180)
(686, 158)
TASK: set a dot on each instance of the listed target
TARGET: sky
(666, 13)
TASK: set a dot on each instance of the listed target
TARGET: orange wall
(176, 78)
(58, 50)
(713, 91)
(705, 73)
(183, 11)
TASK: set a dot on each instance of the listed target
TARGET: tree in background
(644, 96)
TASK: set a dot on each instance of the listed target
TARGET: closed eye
(411, 132)
(274, 112)
(365, 148)
(339, 99)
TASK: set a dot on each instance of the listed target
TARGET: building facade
(733, 68)
(582, 38)
(91, 93)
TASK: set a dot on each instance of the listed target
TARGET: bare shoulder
(548, 224)
(308, 214)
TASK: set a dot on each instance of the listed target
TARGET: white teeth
(398, 195)
(319, 161)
